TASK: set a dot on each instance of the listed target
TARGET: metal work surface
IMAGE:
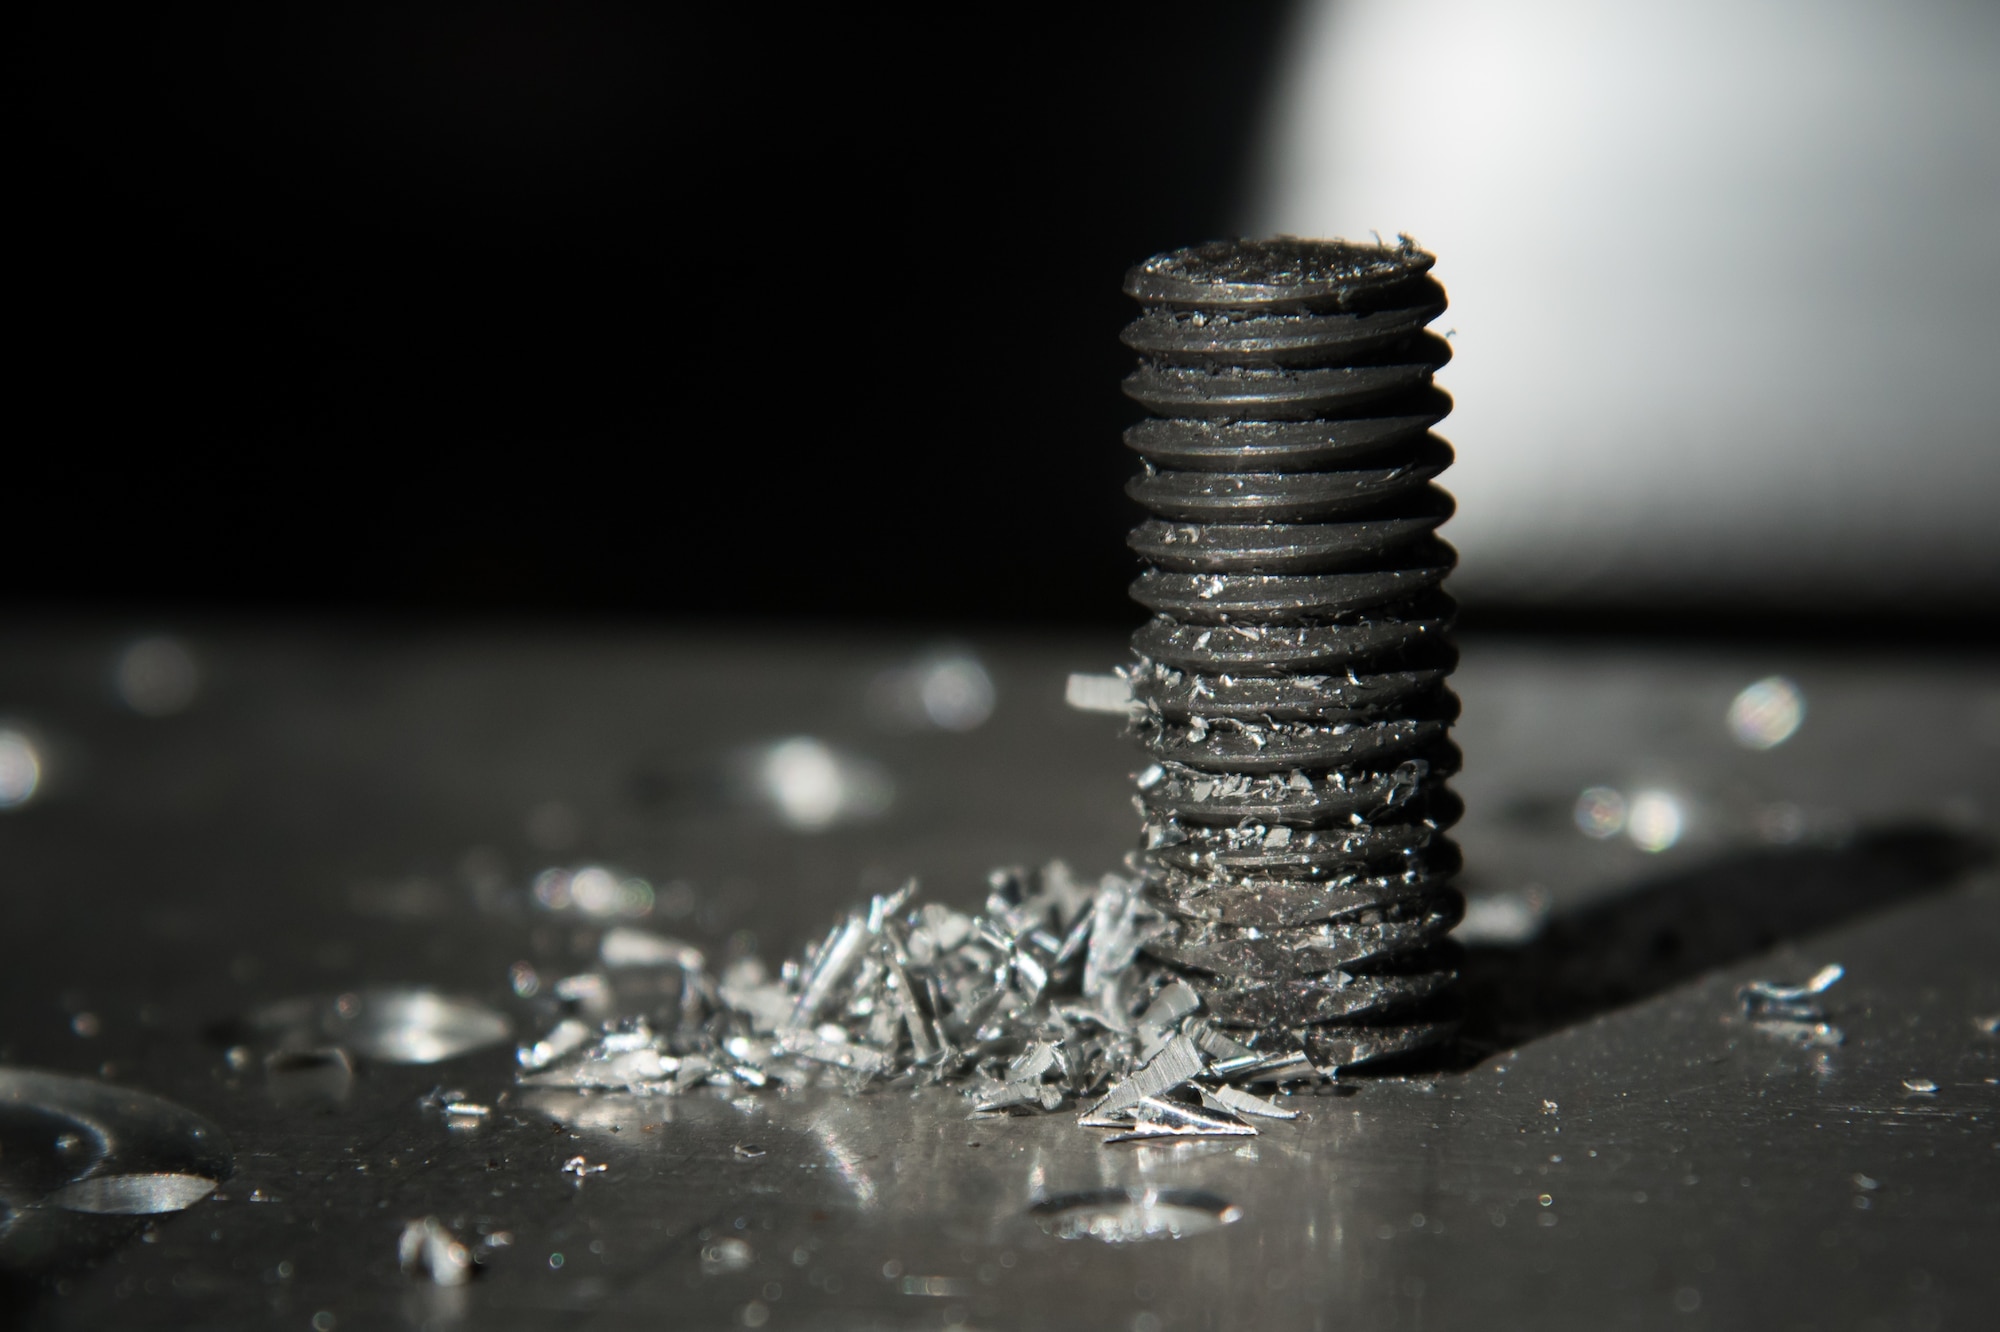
(319, 812)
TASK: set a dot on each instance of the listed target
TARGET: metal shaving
(1794, 1012)
(1797, 1003)
(427, 1249)
(1040, 1002)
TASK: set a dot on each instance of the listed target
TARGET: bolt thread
(1292, 677)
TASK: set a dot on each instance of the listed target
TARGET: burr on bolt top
(1292, 678)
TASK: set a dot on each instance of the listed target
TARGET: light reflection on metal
(565, 1037)
(418, 1026)
(845, 1160)
(623, 946)
(594, 891)
(456, 1108)
(809, 786)
(587, 1112)
(427, 1249)
(133, 1195)
(390, 1024)
(1040, 1002)
(1767, 713)
(1126, 1216)
(157, 676)
(1794, 1013)
(1158, 1117)
(1600, 812)
(946, 689)
(1503, 918)
(1763, 998)
(582, 1168)
(1229, 1098)
(20, 769)
(727, 1255)
(1655, 820)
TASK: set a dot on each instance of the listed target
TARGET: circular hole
(1128, 1216)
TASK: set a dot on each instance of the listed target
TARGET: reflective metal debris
(457, 1109)
(1124, 1216)
(1169, 1069)
(466, 1114)
(1225, 1097)
(566, 1037)
(1794, 1013)
(1774, 999)
(1156, 1117)
(427, 1249)
(1041, 1001)
(1813, 1035)
(1920, 1086)
(1100, 693)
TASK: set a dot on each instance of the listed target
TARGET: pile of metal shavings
(1042, 1001)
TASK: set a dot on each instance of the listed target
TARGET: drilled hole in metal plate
(1127, 1216)
(72, 1146)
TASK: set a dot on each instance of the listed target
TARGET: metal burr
(1292, 678)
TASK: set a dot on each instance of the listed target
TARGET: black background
(588, 308)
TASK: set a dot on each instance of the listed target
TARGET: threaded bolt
(1293, 674)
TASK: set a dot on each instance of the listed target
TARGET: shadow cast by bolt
(1617, 952)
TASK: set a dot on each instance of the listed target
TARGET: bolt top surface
(1281, 271)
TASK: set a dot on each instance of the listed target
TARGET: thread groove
(1292, 679)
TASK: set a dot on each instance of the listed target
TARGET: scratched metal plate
(1615, 1146)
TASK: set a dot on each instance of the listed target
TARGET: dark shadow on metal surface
(1666, 931)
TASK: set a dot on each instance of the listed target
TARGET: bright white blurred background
(1725, 279)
